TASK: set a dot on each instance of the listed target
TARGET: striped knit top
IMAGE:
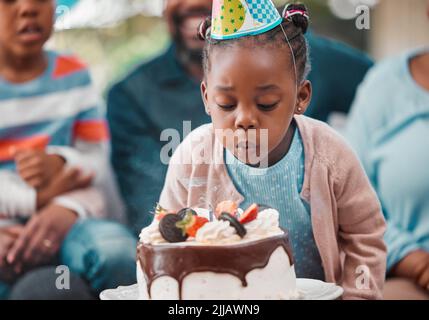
(57, 108)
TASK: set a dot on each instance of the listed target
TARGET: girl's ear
(204, 95)
(304, 97)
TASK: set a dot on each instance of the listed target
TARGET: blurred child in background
(53, 148)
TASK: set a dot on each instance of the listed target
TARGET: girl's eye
(267, 107)
(226, 106)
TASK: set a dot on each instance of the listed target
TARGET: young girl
(256, 82)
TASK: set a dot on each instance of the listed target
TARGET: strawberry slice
(160, 216)
(250, 214)
(191, 224)
(196, 225)
(226, 206)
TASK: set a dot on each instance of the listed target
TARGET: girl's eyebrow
(268, 87)
(224, 88)
(260, 88)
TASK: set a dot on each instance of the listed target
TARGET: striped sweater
(57, 112)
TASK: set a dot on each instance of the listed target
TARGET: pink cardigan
(348, 224)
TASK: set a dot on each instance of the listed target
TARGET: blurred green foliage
(112, 52)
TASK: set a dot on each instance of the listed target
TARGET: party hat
(238, 18)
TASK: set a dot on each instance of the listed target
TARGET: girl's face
(250, 90)
(25, 25)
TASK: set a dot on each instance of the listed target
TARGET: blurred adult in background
(389, 126)
(165, 92)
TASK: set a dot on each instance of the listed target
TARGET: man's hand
(69, 179)
(7, 238)
(38, 168)
(414, 266)
(41, 238)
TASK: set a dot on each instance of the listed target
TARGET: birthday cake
(229, 254)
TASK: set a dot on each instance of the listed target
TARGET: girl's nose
(246, 119)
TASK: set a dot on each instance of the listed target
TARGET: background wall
(398, 25)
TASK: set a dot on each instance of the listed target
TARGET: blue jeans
(4, 291)
(102, 252)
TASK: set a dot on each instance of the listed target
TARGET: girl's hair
(295, 24)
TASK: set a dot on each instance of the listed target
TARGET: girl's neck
(22, 69)
(419, 68)
(283, 148)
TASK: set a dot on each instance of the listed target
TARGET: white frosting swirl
(151, 234)
(217, 232)
(266, 225)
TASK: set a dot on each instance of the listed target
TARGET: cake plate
(308, 289)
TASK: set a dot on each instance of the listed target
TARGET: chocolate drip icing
(178, 261)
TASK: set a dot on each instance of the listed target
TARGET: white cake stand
(308, 290)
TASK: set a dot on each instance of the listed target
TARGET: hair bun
(298, 14)
(204, 28)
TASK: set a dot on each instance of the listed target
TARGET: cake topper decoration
(227, 206)
(168, 229)
(241, 230)
(191, 223)
(250, 214)
(183, 213)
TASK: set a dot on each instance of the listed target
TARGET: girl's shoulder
(326, 146)
(389, 73)
(316, 132)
